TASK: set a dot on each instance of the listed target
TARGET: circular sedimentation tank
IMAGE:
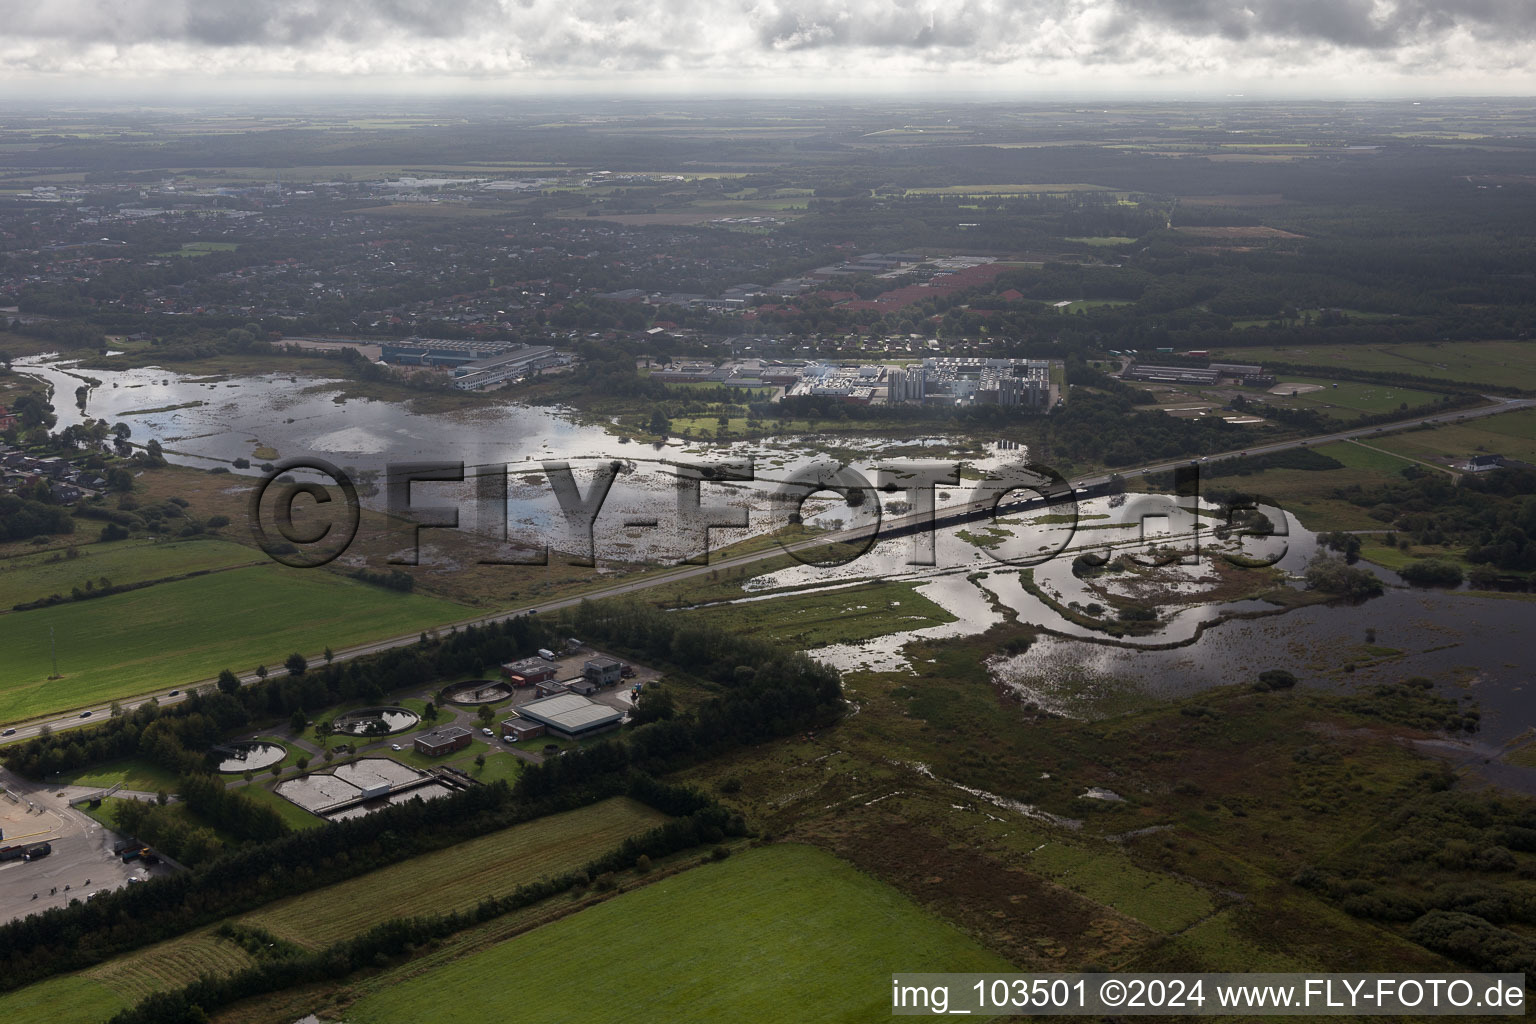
(380, 721)
(248, 757)
(478, 691)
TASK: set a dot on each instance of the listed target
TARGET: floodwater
(209, 422)
(1475, 641)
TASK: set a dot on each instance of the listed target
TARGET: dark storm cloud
(1349, 23)
(218, 23)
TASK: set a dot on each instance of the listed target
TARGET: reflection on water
(249, 757)
(207, 421)
(365, 722)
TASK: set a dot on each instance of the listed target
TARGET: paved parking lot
(82, 861)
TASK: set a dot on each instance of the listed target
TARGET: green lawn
(180, 632)
(777, 933)
(30, 577)
(72, 999)
(818, 618)
(132, 773)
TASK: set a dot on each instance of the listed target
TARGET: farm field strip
(458, 877)
(721, 942)
(127, 644)
(31, 577)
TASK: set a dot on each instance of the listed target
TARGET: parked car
(488, 732)
(394, 746)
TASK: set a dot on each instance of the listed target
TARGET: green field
(809, 619)
(1349, 399)
(133, 773)
(72, 999)
(33, 576)
(127, 644)
(1355, 455)
(459, 877)
(1471, 362)
(723, 942)
(1512, 434)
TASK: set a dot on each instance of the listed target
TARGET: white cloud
(1089, 45)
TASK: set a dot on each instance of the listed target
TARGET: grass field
(132, 773)
(1510, 434)
(168, 964)
(33, 576)
(1158, 901)
(179, 632)
(815, 619)
(723, 942)
(1355, 455)
(1349, 398)
(1472, 362)
(72, 999)
(457, 878)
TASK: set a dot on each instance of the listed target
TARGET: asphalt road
(945, 515)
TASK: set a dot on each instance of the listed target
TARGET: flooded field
(1195, 643)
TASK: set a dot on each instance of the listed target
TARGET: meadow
(1348, 399)
(1511, 434)
(127, 644)
(459, 877)
(1469, 362)
(33, 576)
(818, 618)
(725, 941)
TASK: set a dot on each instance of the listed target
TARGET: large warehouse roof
(570, 712)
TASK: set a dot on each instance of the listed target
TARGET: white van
(546, 654)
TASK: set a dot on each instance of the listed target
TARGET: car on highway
(174, 693)
(8, 732)
(85, 714)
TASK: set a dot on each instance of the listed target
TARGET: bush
(1275, 679)
(1333, 576)
(1432, 572)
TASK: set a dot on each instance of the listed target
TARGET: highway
(945, 516)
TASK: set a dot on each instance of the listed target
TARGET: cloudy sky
(1004, 47)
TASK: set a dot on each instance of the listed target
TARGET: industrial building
(979, 381)
(602, 670)
(528, 672)
(520, 362)
(442, 741)
(442, 351)
(1171, 374)
(522, 728)
(1214, 373)
(571, 715)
